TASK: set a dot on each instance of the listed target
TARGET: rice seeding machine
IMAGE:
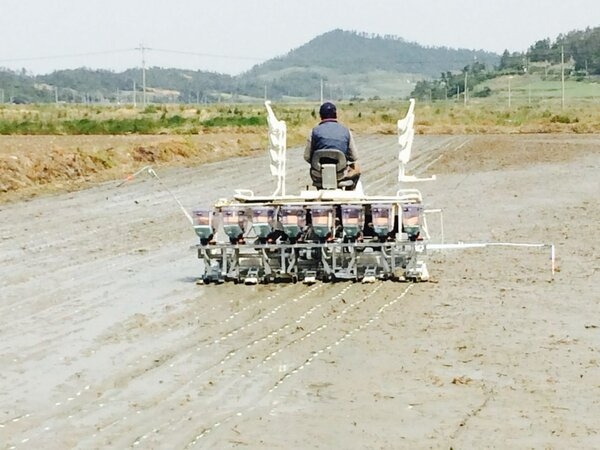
(327, 234)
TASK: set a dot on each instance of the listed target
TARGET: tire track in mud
(315, 354)
(76, 399)
(238, 354)
(272, 383)
(252, 376)
(267, 355)
(144, 364)
(424, 155)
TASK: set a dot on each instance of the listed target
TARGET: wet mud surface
(107, 342)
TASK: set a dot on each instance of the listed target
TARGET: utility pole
(528, 83)
(56, 94)
(134, 95)
(466, 76)
(143, 50)
(321, 90)
(562, 75)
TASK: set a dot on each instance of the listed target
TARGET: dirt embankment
(31, 165)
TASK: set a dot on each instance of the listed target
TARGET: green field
(532, 90)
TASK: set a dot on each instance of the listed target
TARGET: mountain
(351, 52)
(358, 64)
(344, 64)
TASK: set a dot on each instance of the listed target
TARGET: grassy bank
(493, 115)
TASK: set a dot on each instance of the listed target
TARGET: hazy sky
(231, 36)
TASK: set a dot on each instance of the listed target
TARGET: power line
(71, 55)
(208, 55)
(109, 52)
(202, 54)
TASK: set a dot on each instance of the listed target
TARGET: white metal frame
(277, 148)
(406, 136)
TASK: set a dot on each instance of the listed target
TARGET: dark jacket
(330, 134)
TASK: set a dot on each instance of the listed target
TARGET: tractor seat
(327, 167)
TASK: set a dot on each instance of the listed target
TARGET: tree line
(580, 50)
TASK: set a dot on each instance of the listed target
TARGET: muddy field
(107, 342)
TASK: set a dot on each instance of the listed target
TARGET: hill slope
(357, 64)
(352, 52)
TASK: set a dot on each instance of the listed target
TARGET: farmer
(330, 134)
